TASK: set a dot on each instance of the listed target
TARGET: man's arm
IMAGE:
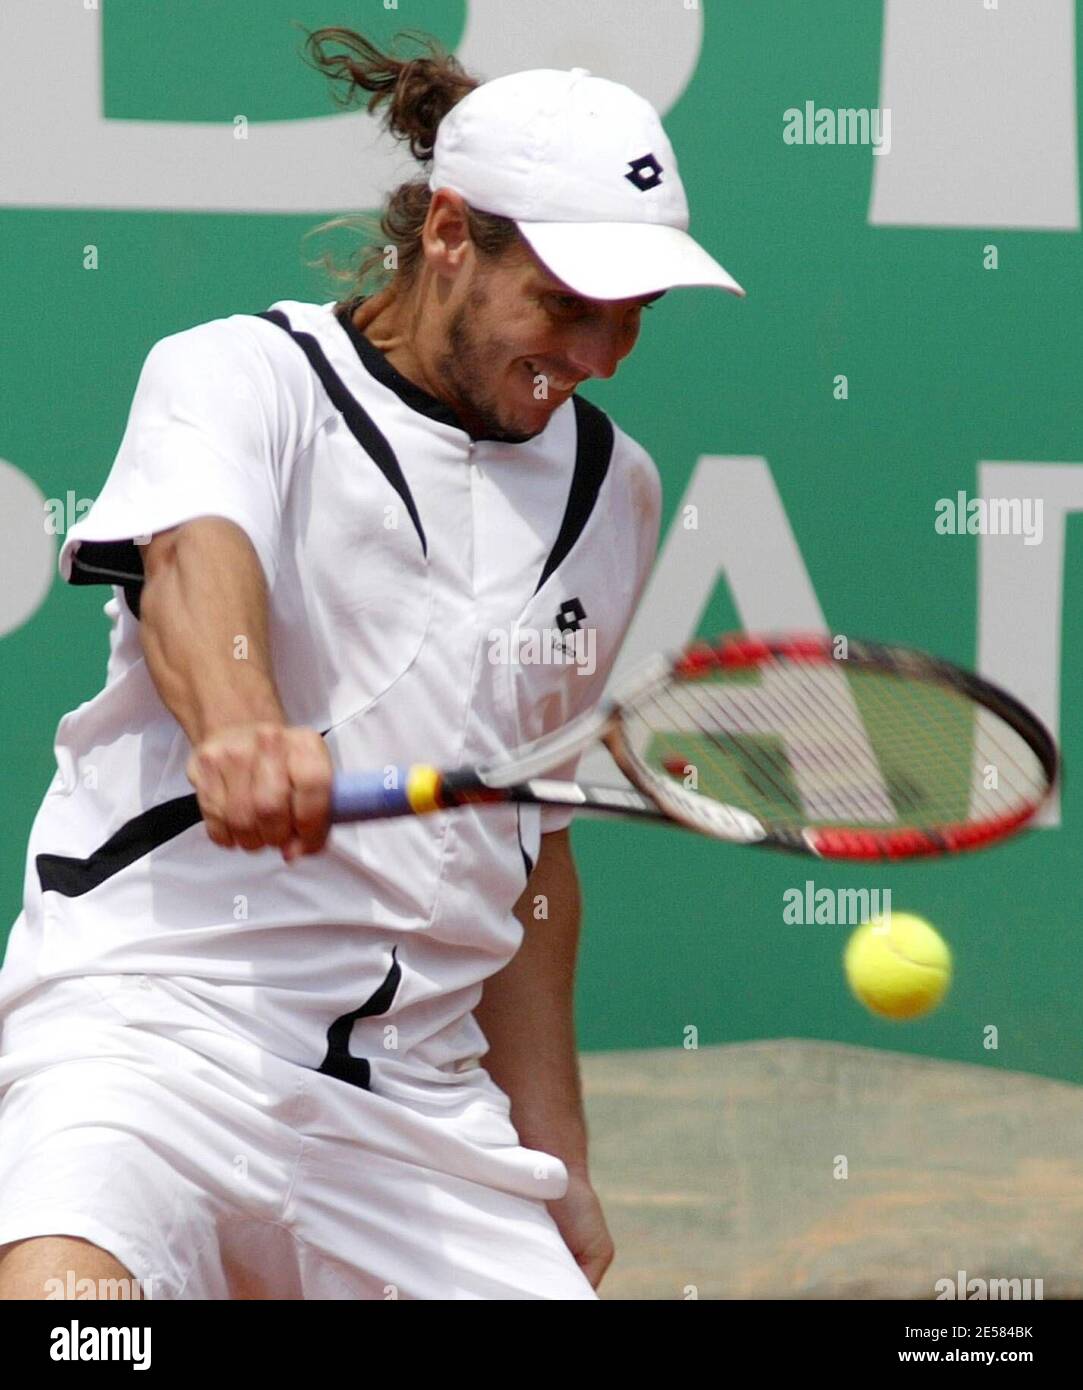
(527, 1012)
(204, 588)
(527, 1016)
(259, 782)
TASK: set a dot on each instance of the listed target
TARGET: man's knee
(53, 1266)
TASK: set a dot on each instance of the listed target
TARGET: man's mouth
(557, 383)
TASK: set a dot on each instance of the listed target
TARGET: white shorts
(212, 1169)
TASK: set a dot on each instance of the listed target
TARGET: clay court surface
(716, 1169)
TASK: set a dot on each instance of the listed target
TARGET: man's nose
(596, 350)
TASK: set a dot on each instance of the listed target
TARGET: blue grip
(365, 795)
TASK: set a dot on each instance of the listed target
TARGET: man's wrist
(258, 705)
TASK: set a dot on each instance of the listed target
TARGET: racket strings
(965, 733)
(1031, 777)
(773, 723)
(816, 744)
(829, 745)
(832, 781)
(759, 759)
(867, 733)
(740, 762)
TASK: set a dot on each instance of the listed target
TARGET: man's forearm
(204, 628)
(527, 1012)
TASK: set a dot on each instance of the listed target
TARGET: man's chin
(516, 425)
(513, 432)
(517, 436)
(521, 430)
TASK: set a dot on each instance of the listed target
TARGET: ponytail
(417, 93)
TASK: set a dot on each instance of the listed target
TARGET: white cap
(585, 169)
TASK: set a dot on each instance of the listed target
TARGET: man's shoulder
(247, 331)
(242, 351)
(627, 453)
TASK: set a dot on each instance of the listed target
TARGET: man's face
(518, 342)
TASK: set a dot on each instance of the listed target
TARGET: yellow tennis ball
(898, 966)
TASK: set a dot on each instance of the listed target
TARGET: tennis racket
(883, 753)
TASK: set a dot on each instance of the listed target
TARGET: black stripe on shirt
(593, 453)
(358, 421)
(71, 877)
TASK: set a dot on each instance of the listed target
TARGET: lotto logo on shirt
(546, 646)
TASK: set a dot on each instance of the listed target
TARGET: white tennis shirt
(395, 547)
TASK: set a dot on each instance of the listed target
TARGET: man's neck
(380, 318)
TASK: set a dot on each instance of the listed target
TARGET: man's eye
(571, 304)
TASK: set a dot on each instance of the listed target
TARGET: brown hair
(418, 93)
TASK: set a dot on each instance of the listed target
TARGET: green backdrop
(948, 364)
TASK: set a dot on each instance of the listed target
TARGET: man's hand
(579, 1219)
(264, 784)
(527, 1017)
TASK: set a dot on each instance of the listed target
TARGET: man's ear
(445, 237)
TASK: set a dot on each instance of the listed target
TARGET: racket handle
(367, 795)
(393, 791)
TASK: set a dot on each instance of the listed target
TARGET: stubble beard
(464, 364)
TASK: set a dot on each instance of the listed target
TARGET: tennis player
(259, 1074)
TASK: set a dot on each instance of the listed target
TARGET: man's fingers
(237, 768)
(222, 776)
(310, 778)
(211, 794)
(263, 785)
(271, 798)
